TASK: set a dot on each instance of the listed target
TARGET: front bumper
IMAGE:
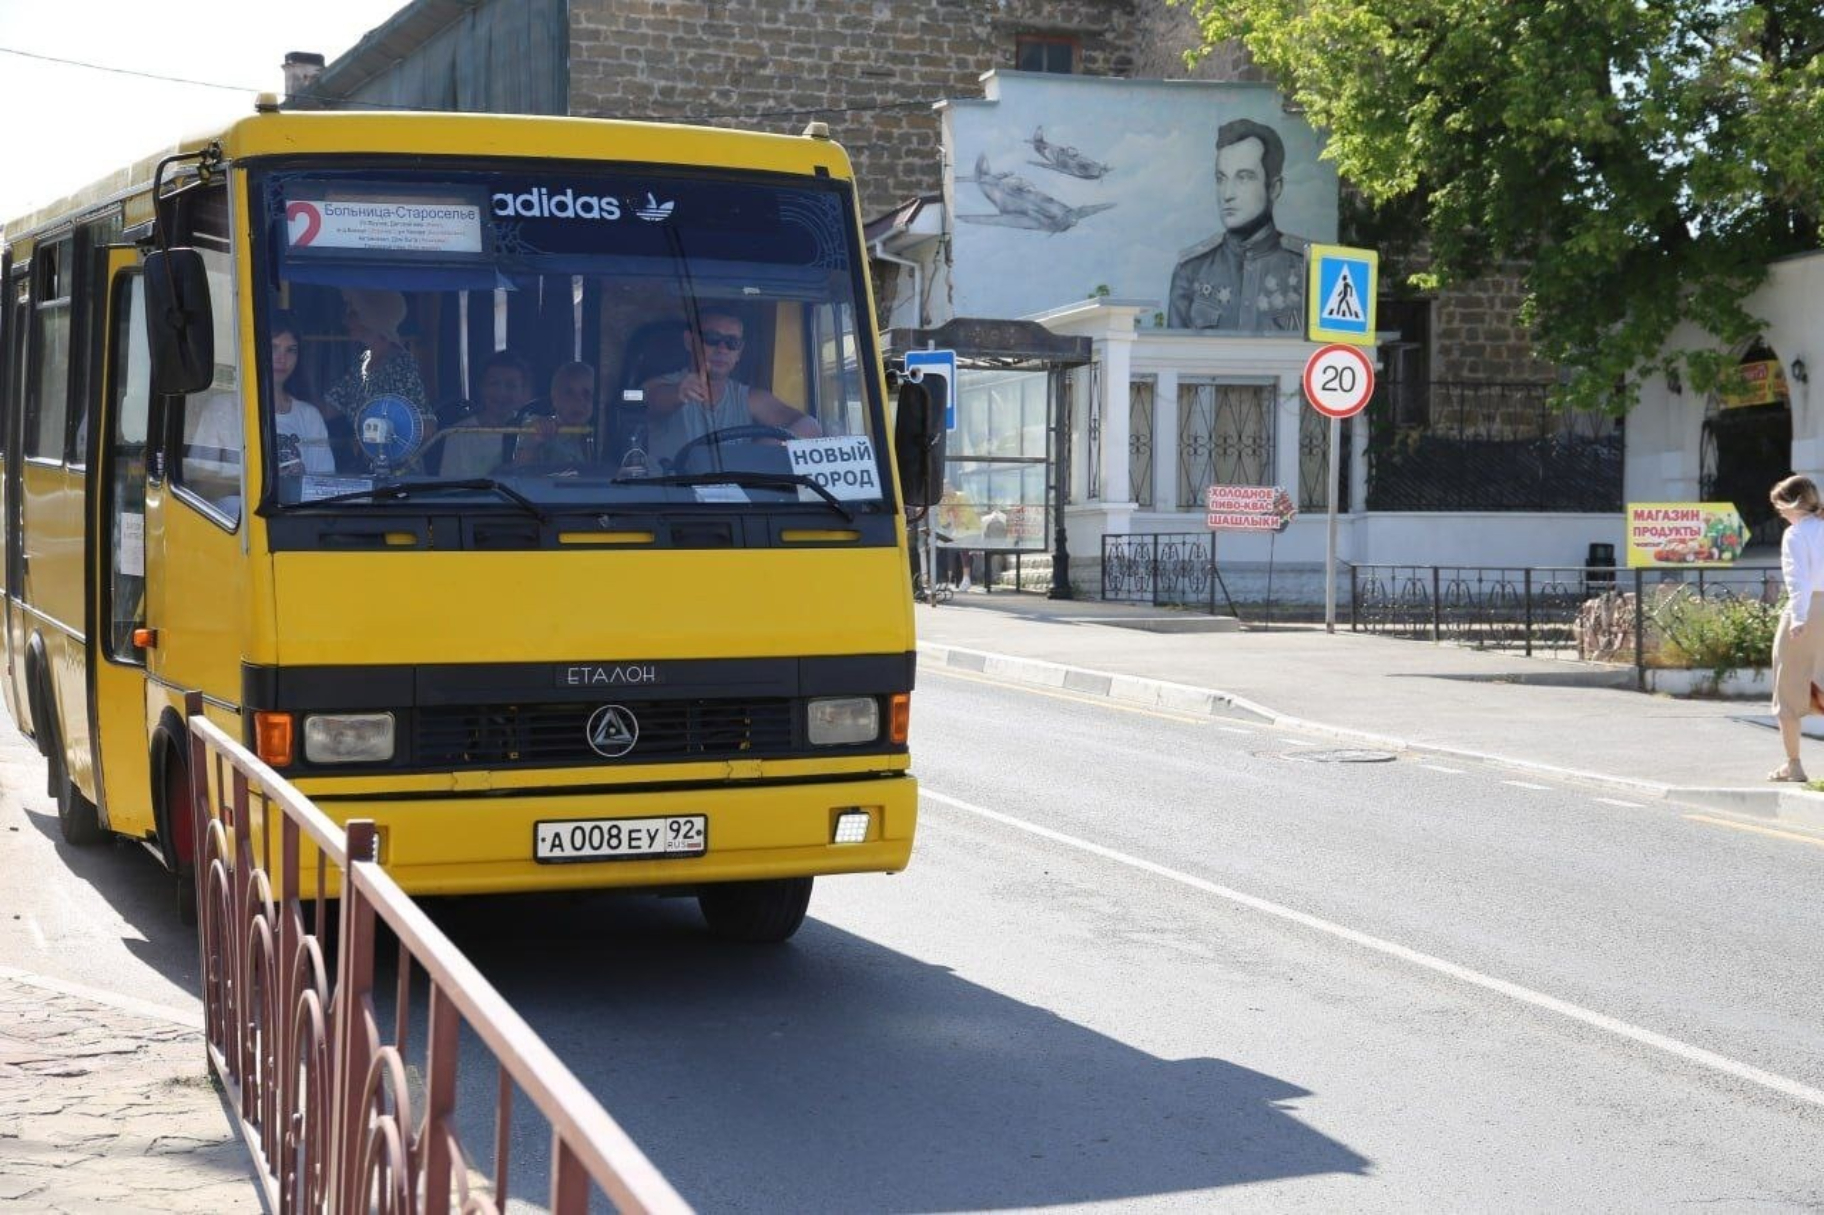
(483, 844)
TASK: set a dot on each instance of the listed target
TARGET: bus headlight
(348, 738)
(836, 720)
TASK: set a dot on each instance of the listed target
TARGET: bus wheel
(757, 912)
(77, 819)
(186, 898)
(178, 830)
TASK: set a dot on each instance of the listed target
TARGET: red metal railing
(325, 1099)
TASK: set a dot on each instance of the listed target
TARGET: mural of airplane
(1064, 159)
(1020, 204)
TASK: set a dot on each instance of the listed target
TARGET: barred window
(1225, 437)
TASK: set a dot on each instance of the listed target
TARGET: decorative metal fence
(1603, 613)
(1489, 447)
(1171, 568)
(321, 1090)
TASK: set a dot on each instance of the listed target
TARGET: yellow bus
(525, 485)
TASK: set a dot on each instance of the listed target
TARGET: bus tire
(171, 811)
(34, 694)
(760, 913)
(77, 819)
(186, 899)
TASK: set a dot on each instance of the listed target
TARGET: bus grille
(559, 733)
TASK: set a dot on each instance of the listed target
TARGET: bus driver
(705, 397)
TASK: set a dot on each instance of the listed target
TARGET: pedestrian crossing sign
(1343, 282)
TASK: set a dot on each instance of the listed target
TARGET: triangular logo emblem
(1345, 299)
(612, 731)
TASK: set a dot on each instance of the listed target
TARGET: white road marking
(1611, 801)
(1234, 730)
(1524, 784)
(31, 922)
(1442, 768)
(1513, 991)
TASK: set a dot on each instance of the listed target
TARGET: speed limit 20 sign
(1339, 380)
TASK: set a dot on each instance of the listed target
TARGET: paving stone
(109, 1111)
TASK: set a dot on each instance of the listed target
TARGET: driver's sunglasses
(726, 341)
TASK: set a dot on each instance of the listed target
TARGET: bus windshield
(563, 338)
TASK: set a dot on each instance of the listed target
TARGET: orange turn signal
(899, 718)
(272, 737)
(145, 639)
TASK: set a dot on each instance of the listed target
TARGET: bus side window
(211, 443)
(208, 430)
(12, 392)
(48, 382)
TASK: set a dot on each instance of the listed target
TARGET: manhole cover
(1347, 755)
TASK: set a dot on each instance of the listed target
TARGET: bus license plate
(613, 839)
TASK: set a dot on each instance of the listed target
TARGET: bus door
(117, 673)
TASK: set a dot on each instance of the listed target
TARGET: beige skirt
(1798, 662)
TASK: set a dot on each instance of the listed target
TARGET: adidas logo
(654, 210)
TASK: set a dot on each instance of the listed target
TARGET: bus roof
(376, 132)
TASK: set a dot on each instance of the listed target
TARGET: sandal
(1788, 773)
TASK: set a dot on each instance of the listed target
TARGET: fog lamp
(348, 738)
(844, 719)
(851, 827)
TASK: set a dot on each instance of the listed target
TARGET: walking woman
(1798, 646)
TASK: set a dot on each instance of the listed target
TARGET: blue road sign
(1341, 294)
(942, 363)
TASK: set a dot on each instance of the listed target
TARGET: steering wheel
(751, 432)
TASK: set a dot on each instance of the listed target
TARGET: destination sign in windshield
(391, 225)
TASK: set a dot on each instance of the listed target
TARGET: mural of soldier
(1250, 277)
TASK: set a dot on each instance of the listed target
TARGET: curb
(186, 1018)
(1793, 806)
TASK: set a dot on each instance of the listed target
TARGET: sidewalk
(1558, 717)
(105, 1106)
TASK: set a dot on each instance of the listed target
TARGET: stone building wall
(1162, 33)
(869, 68)
(1477, 335)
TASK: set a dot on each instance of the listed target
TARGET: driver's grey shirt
(666, 435)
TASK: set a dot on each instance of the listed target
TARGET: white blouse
(1802, 564)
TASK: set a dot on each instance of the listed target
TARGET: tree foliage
(1645, 158)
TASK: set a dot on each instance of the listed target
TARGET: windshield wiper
(759, 480)
(399, 491)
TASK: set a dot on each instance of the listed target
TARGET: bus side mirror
(180, 331)
(918, 428)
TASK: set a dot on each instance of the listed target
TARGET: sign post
(1338, 380)
(942, 364)
(1246, 508)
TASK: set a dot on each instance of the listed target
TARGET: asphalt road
(105, 917)
(1144, 962)
(1148, 962)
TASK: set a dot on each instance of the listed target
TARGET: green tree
(1645, 158)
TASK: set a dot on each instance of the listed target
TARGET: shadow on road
(833, 1074)
(135, 885)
